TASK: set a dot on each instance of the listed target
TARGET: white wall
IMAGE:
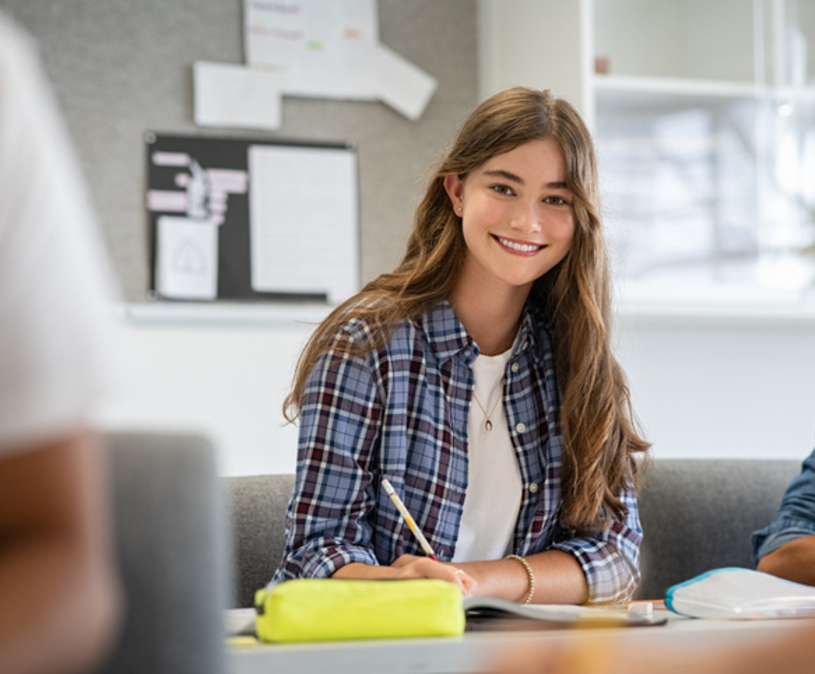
(703, 387)
(225, 378)
(535, 43)
(722, 387)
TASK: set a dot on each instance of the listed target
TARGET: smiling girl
(478, 378)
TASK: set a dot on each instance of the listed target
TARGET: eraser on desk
(326, 609)
(641, 607)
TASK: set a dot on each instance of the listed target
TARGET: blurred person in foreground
(59, 596)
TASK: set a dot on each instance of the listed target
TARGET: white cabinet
(703, 113)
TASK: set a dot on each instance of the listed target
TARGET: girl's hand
(411, 566)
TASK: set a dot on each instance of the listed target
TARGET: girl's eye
(556, 201)
(503, 189)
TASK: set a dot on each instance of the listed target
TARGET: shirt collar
(448, 336)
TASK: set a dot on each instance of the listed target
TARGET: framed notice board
(246, 219)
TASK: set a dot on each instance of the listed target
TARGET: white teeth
(523, 247)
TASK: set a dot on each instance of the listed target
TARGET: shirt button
(520, 427)
(515, 367)
(533, 487)
(526, 344)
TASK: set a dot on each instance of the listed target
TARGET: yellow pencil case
(325, 609)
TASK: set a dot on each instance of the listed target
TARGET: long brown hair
(573, 300)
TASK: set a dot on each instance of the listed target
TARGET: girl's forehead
(535, 159)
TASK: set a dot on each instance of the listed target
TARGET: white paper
(400, 84)
(236, 96)
(304, 220)
(319, 47)
(331, 49)
(186, 258)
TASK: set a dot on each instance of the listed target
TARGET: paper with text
(320, 47)
(304, 221)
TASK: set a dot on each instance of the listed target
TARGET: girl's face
(517, 215)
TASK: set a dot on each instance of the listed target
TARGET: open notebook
(483, 609)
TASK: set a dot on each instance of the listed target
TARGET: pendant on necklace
(488, 425)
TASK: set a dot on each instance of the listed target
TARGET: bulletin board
(249, 219)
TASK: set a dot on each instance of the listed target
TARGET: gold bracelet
(529, 573)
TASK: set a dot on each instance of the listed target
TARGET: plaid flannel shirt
(401, 412)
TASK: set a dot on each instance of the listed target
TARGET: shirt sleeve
(610, 560)
(795, 517)
(328, 520)
(58, 348)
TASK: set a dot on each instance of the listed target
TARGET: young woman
(477, 377)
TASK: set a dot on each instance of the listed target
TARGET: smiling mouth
(520, 247)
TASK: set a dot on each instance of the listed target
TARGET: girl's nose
(526, 219)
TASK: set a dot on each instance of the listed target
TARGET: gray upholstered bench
(257, 507)
(697, 515)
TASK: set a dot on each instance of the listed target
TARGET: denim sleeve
(327, 524)
(795, 517)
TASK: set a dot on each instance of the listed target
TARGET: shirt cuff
(609, 575)
(324, 564)
(780, 533)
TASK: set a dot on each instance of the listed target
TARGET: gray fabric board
(121, 68)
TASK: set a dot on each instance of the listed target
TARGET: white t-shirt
(56, 351)
(494, 484)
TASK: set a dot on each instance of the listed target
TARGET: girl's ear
(454, 186)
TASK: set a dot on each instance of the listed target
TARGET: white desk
(478, 651)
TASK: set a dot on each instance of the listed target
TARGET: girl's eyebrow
(500, 173)
(506, 175)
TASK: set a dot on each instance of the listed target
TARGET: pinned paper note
(187, 258)
(235, 96)
(400, 84)
(321, 47)
(307, 48)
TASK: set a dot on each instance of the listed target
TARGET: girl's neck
(490, 316)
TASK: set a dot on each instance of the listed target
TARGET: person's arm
(559, 578)
(329, 529)
(609, 560)
(411, 567)
(793, 561)
(59, 598)
(786, 547)
(598, 568)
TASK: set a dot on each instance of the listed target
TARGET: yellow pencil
(409, 519)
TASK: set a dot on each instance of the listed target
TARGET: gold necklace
(487, 423)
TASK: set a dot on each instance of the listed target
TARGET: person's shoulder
(361, 324)
(363, 317)
(809, 464)
(15, 43)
